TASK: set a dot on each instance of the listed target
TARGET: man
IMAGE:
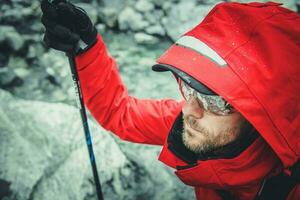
(238, 71)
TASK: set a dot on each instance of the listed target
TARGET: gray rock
(156, 30)
(16, 15)
(144, 6)
(22, 72)
(3, 60)
(157, 2)
(110, 10)
(142, 38)
(130, 19)
(7, 75)
(154, 17)
(3, 32)
(116, 4)
(101, 28)
(55, 63)
(184, 16)
(35, 50)
(166, 6)
(109, 16)
(11, 37)
(19, 66)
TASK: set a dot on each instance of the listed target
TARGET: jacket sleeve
(106, 97)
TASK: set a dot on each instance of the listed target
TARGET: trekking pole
(80, 104)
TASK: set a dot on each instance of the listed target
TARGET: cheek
(221, 123)
(196, 141)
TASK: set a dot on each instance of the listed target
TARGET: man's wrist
(84, 47)
(89, 54)
(88, 42)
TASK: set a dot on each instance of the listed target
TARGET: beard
(200, 139)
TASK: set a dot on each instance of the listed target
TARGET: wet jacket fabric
(260, 77)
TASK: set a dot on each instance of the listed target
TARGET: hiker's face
(204, 131)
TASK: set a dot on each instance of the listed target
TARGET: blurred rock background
(42, 150)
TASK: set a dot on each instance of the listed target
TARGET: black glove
(65, 25)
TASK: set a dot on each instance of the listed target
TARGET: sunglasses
(210, 103)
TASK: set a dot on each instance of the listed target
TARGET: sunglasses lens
(210, 103)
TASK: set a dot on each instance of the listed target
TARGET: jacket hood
(249, 54)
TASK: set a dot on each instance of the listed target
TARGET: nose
(192, 108)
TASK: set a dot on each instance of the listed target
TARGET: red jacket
(260, 44)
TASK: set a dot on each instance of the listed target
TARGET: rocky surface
(42, 154)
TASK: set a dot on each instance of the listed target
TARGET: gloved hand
(65, 25)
